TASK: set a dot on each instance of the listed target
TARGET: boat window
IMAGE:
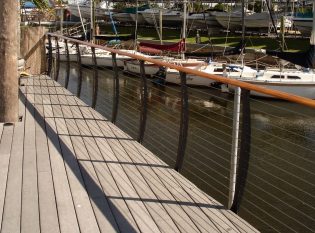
(277, 76)
(218, 70)
(293, 77)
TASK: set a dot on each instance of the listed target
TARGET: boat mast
(243, 31)
(136, 28)
(312, 39)
(92, 7)
(184, 29)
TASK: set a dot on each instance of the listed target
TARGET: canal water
(280, 190)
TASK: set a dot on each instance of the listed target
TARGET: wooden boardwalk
(65, 168)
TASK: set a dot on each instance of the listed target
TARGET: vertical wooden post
(144, 103)
(49, 56)
(234, 151)
(68, 65)
(243, 162)
(8, 60)
(116, 89)
(57, 59)
(184, 119)
(95, 79)
(79, 87)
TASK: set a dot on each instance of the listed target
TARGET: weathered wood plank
(30, 213)
(86, 149)
(5, 151)
(11, 221)
(138, 209)
(1, 130)
(100, 204)
(176, 211)
(47, 202)
(157, 212)
(210, 215)
(66, 211)
(84, 212)
(89, 176)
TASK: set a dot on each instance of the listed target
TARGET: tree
(8, 61)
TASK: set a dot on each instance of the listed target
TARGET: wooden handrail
(244, 85)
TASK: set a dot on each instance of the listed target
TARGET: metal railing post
(184, 120)
(49, 56)
(235, 136)
(115, 88)
(95, 79)
(57, 59)
(79, 87)
(243, 161)
(68, 65)
(144, 102)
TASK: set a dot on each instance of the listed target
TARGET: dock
(65, 168)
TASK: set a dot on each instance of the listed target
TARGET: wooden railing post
(57, 59)
(144, 102)
(235, 137)
(184, 120)
(49, 56)
(79, 87)
(95, 79)
(115, 88)
(243, 162)
(68, 65)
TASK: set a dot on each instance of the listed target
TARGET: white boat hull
(140, 18)
(123, 17)
(85, 11)
(133, 66)
(306, 90)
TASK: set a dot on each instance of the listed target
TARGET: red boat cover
(176, 47)
(149, 50)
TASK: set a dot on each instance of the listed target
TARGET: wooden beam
(8, 61)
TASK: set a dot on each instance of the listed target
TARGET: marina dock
(65, 168)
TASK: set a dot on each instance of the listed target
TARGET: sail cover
(231, 51)
(304, 59)
(176, 47)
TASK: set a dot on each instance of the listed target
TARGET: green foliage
(222, 7)
(256, 7)
(119, 6)
(41, 4)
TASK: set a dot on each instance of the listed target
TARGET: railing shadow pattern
(274, 187)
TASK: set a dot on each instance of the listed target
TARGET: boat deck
(65, 168)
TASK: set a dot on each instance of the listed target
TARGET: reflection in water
(279, 194)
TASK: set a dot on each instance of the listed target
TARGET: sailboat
(84, 9)
(299, 81)
(173, 75)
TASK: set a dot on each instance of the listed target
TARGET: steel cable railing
(276, 188)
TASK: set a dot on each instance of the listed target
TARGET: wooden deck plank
(5, 151)
(215, 214)
(100, 205)
(66, 211)
(12, 209)
(89, 176)
(180, 213)
(118, 206)
(30, 210)
(214, 222)
(138, 209)
(156, 209)
(47, 202)
(175, 212)
(82, 204)
(210, 208)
